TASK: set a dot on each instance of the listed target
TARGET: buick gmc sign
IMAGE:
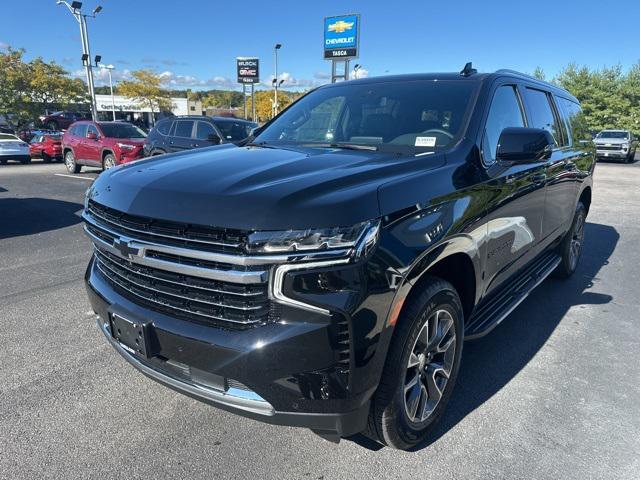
(248, 70)
(341, 35)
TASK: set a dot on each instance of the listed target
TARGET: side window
(572, 113)
(92, 129)
(203, 130)
(184, 128)
(36, 139)
(504, 112)
(541, 113)
(164, 127)
(81, 130)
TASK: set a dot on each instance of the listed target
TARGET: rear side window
(184, 128)
(203, 130)
(573, 116)
(504, 112)
(80, 130)
(164, 127)
(541, 113)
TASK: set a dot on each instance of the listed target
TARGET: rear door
(561, 188)
(205, 134)
(182, 135)
(517, 193)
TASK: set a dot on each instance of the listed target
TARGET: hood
(612, 141)
(255, 187)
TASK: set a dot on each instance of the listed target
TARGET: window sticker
(425, 141)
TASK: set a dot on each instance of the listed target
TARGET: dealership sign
(341, 36)
(248, 70)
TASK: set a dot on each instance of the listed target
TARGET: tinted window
(80, 130)
(121, 130)
(183, 128)
(505, 112)
(56, 137)
(613, 134)
(392, 115)
(164, 126)
(92, 129)
(236, 131)
(36, 139)
(203, 130)
(541, 113)
(577, 124)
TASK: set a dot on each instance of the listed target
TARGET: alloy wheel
(577, 238)
(429, 366)
(109, 162)
(69, 161)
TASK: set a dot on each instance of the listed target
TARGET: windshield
(56, 137)
(606, 134)
(398, 115)
(122, 130)
(234, 131)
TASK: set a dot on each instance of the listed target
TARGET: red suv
(47, 146)
(101, 144)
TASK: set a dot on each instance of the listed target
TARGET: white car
(12, 148)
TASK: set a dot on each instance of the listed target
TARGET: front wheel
(70, 162)
(571, 247)
(46, 158)
(421, 367)
(108, 162)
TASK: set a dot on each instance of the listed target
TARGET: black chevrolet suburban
(326, 273)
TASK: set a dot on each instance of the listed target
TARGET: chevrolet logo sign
(123, 245)
(340, 26)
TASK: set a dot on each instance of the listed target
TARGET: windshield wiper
(345, 146)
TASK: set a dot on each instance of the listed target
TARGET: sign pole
(244, 99)
(253, 103)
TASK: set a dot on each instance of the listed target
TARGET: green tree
(146, 90)
(264, 103)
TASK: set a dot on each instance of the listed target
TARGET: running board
(497, 308)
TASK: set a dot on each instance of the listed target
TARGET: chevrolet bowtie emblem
(123, 245)
(340, 26)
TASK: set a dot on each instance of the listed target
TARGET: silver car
(12, 148)
(616, 144)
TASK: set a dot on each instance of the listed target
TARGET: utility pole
(108, 68)
(81, 18)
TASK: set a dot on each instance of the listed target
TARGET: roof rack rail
(468, 70)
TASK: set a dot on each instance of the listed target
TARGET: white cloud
(101, 75)
(4, 46)
(293, 82)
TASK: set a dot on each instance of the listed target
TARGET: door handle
(539, 177)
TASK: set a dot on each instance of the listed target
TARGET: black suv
(176, 134)
(326, 273)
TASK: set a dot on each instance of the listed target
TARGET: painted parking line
(74, 176)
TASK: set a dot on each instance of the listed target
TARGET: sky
(194, 43)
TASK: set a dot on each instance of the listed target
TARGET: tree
(222, 99)
(146, 90)
(539, 73)
(51, 86)
(264, 103)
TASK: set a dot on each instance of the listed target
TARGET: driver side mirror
(524, 145)
(213, 138)
(92, 136)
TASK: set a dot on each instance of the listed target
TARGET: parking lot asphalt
(553, 392)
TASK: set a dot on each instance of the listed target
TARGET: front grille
(609, 147)
(170, 233)
(193, 298)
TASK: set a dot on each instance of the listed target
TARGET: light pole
(81, 18)
(275, 83)
(108, 68)
(356, 67)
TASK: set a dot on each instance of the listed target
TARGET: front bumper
(281, 368)
(612, 153)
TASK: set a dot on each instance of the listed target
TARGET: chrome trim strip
(220, 275)
(259, 307)
(278, 281)
(247, 401)
(243, 260)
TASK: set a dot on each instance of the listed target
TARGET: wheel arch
(585, 197)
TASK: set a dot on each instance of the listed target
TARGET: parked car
(618, 144)
(325, 273)
(101, 144)
(12, 148)
(46, 145)
(62, 120)
(195, 131)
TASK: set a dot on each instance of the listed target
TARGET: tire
(25, 161)
(3, 161)
(52, 125)
(571, 247)
(156, 153)
(406, 405)
(70, 162)
(109, 161)
(46, 158)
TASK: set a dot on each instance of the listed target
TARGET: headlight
(307, 240)
(125, 146)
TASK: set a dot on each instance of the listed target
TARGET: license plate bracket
(131, 335)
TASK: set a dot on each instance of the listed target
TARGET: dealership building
(130, 110)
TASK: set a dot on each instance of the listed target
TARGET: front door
(517, 195)
(93, 147)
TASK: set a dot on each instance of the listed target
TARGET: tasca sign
(248, 70)
(341, 36)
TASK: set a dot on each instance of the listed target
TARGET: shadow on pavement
(27, 216)
(490, 363)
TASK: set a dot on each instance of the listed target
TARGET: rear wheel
(25, 160)
(70, 162)
(3, 161)
(421, 368)
(46, 158)
(571, 247)
(109, 161)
